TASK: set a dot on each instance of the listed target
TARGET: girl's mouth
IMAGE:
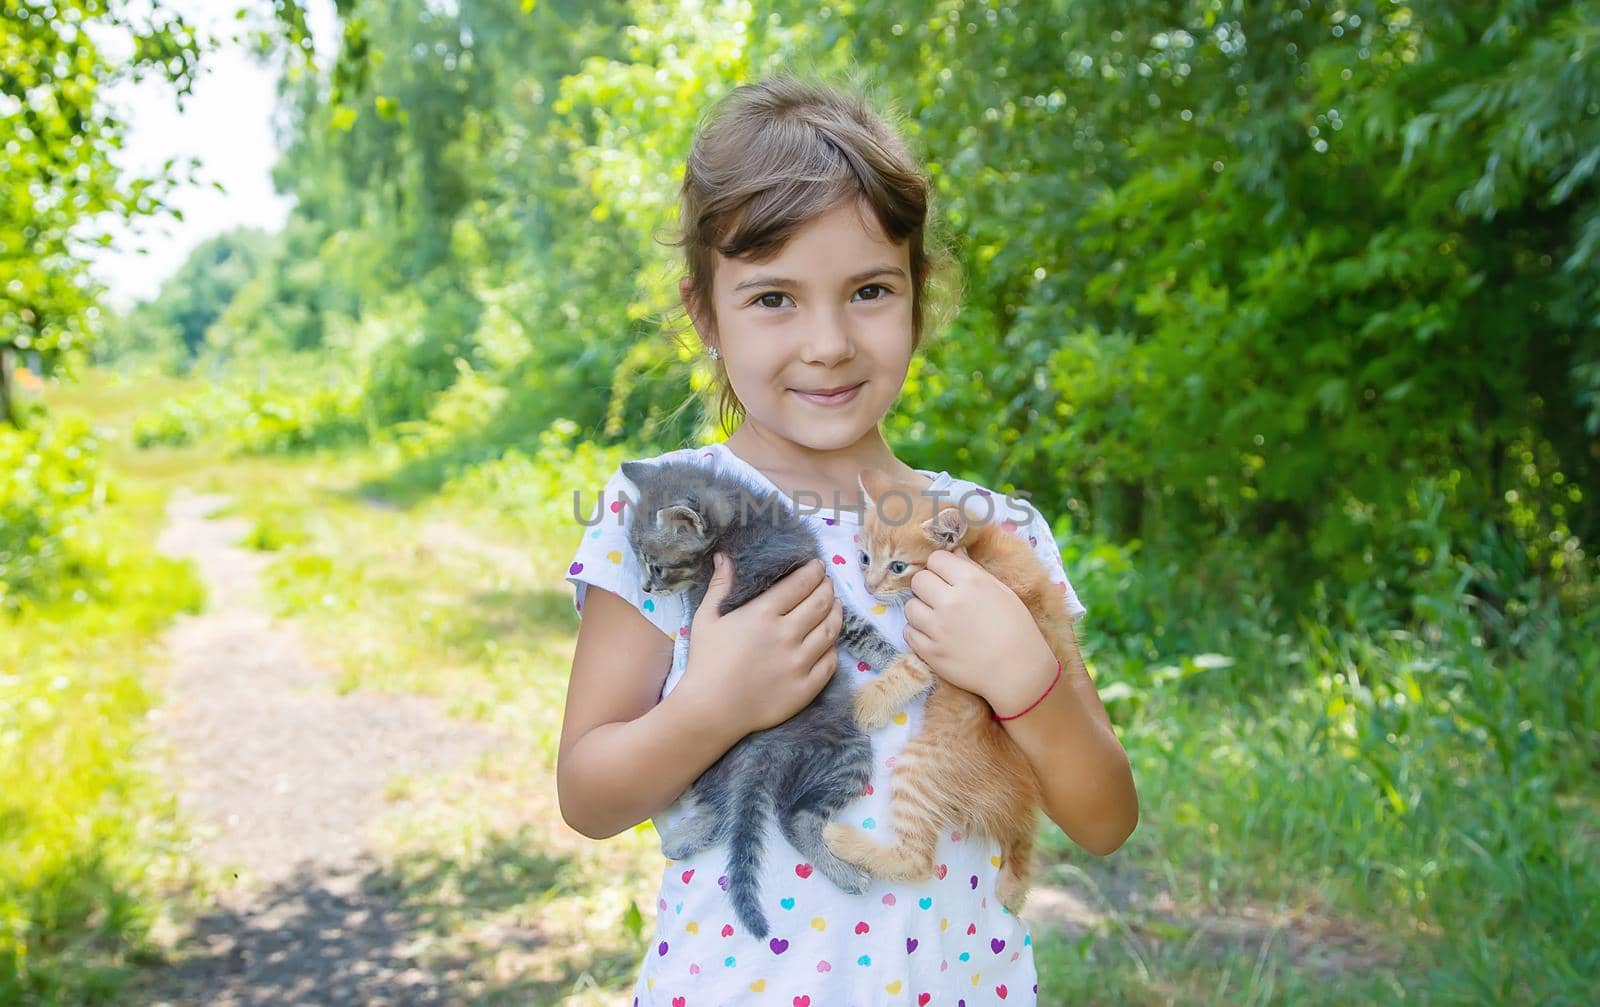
(836, 399)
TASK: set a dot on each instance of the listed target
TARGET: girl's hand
(975, 633)
(763, 662)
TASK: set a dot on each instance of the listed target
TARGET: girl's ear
(694, 304)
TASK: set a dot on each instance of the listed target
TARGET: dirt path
(284, 779)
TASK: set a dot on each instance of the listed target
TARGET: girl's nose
(830, 340)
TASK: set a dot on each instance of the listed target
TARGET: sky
(226, 122)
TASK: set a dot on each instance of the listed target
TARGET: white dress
(943, 941)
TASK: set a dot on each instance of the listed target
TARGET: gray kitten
(803, 770)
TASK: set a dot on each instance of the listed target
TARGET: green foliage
(1264, 271)
(172, 328)
(1416, 772)
(290, 412)
(57, 137)
(1235, 276)
(85, 838)
(538, 487)
(50, 492)
(275, 531)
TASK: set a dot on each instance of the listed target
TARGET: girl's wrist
(1042, 697)
(702, 710)
(1024, 691)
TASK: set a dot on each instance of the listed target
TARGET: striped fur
(962, 770)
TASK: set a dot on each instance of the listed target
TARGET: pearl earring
(714, 354)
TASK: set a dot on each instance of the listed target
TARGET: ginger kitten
(962, 769)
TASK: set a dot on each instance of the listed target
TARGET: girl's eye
(897, 567)
(774, 299)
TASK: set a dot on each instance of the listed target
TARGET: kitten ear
(946, 529)
(636, 472)
(680, 518)
(874, 483)
(721, 506)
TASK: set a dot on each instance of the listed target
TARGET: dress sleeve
(1037, 531)
(605, 559)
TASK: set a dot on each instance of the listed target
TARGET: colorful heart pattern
(799, 950)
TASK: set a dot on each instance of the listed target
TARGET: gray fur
(804, 770)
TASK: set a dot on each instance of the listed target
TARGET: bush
(274, 418)
(52, 483)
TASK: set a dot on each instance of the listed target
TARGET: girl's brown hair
(769, 157)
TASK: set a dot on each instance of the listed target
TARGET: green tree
(175, 322)
(57, 137)
(1250, 277)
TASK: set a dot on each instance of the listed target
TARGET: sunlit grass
(88, 838)
(1417, 806)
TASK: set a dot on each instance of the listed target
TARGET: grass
(89, 839)
(1373, 814)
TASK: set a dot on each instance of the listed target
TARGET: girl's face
(831, 311)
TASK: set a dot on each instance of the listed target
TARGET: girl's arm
(1083, 772)
(624, 756)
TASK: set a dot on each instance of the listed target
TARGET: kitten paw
(858, 883)
(849, 878)
(1012, 892)
(871, 707)
(844, 842)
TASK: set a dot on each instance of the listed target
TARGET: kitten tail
(751, 810)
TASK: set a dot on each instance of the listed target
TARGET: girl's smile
(833, 396)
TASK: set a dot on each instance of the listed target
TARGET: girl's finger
(951, 567)
(814, 609)
(917, 611)
(821, 637)
(823, 669)
(794, 588)
(917, 641)
(928, 584)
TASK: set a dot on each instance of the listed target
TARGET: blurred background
(314, 314)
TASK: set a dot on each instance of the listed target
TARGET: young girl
(803, 225)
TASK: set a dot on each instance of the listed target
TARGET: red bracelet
(1036, 702)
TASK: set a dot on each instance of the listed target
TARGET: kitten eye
(897, 567)
(865, 559)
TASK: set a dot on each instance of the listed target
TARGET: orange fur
(962, 769)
